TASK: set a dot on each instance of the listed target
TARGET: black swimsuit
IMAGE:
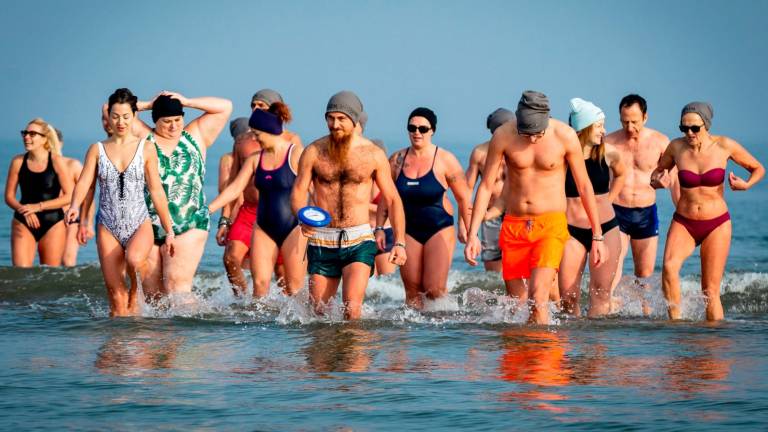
(39, 187)
(600, 177)
(274, 215)
(423, 202)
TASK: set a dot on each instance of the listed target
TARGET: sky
(60, 60)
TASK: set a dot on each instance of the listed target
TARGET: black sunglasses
(31, 133)
(694, 128)
(412, 128)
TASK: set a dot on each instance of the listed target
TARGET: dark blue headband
(265, 121)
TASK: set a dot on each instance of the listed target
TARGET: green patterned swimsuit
(182, 176)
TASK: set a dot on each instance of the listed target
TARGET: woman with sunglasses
(124, 166)
(273, 172)
(606, 174)
(46, 186)
(701, 217)
(422, 173)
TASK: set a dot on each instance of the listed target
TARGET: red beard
(338, 145)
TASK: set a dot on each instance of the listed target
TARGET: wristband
(224, 221)
(401, 244)
(378, 228)
(598, 238)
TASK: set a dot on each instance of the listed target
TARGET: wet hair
(123, 96)
(52, 143)
(282, 111)
(597, 153)
(631, 99)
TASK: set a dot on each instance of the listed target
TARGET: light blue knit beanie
(583, 114)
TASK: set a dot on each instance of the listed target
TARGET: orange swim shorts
(529, 242)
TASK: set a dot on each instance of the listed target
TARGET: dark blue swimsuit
(274, 215)
(423, 202)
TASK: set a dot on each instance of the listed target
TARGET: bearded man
(342, 167)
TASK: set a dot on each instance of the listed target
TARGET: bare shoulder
(17, 160)
(659, 139)
(447, 157)
(397, 158)
(73, 164)
(615, 137)
(726, 143)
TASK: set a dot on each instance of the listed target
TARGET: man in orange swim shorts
(537, 150)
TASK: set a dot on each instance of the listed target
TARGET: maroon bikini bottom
(700, 229)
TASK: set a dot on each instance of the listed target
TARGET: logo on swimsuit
(268, 177)
(412, 183)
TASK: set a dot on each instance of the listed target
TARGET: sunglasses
(422, 129)
(694, 128)
(31, 133)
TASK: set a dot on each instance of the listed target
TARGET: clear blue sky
(61, 59)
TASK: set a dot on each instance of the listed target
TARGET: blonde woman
(46, 186)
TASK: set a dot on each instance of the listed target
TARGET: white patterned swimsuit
(122, 208)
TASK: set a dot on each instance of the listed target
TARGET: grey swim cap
(239, 126)
(703, 109)
(268, 96)
(363, 120)
(532, 113)
(498, 118)
(346, 103)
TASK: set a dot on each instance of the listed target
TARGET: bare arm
(575, 159)
(666, 163)
(155, 187)
(454, 176)
(12, 182)
(300, 192)
(237, 185)
(85, 183)
(395, 164)
(744, 159)
(473, 170)
(208, 126)
(490, 173)
(618, 170)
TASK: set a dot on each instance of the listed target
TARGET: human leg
(540, 284)
(71, 247)
(677, 249)
(112, 262)
(436, 256)
(295, 265)
(262, 262)
(601, 278)
(234, 254)
(136, 252)
(51, 244)
(179, 270)
(354, 282)
(714, 255)
(321, 290)
(410, 273)
(569, 276)
(23, 245)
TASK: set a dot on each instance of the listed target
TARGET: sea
(467, 362)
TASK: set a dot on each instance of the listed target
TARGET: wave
(475, 297)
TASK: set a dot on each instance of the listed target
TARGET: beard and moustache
(338, 145)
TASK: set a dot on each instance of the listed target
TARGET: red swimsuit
(700, 229)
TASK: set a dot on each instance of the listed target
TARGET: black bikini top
(599, 176)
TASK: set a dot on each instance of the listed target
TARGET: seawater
(468, 362)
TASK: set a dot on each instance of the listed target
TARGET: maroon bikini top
(690, 179)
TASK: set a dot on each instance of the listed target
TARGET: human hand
(381, 239)
(169, 246)
(83, 234)
(72, 215)
(736, 182)
(307, 230)
(598, 254)
(472, 250)
(660, 180)
(221, 235)
(32, 220)
(184, 101)
(30, 208)
(398, 255)
(462, 234)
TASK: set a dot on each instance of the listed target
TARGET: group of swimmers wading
(552, 198)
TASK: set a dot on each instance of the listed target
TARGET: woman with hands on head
(46, 186)
(181, 149)
(124, 165)
(701, 215)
